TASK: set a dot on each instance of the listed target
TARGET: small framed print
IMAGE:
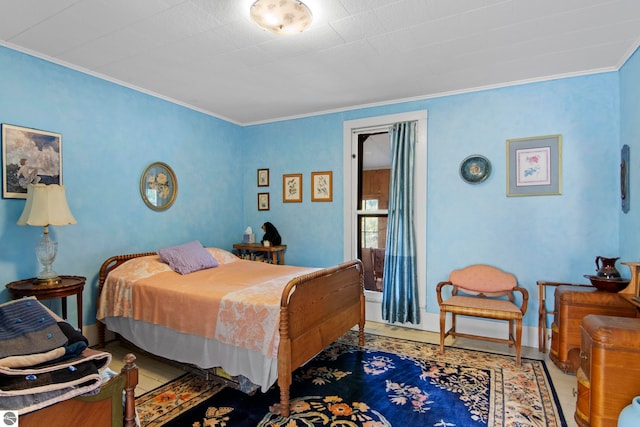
(263, 177)
(534, 166)
(322, 186)
(292, 188)
(263, 201)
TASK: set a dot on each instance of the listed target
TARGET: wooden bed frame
(104, 409)
(315, 310)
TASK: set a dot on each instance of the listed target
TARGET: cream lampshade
(46, 205)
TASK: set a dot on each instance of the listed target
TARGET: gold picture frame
(292, 188)
(158, 186)
(322, 186)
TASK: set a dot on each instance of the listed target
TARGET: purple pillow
(188, 257)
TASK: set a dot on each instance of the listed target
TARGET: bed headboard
(114, 262)
(106, 267)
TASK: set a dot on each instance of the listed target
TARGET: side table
(69, 285)
(276, 252)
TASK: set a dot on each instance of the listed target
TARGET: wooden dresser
(572, 304)
(609, 373)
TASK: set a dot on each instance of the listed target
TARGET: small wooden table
(68, 285)
(543, 311)
(249, 249)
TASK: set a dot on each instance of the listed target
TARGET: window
(373, 197)
(352, 132)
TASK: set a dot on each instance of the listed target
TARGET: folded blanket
(33, 388)
(43, 360)
(27, 327)
(32, 359)
(28, 332)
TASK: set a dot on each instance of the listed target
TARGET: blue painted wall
(630, 135)
(537, 238)
(313, 232)
(110, 134)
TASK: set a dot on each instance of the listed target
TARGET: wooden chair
(377, 264)
(483, 288)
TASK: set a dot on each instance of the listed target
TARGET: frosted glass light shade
(281, 16)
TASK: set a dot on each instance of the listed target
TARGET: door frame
(351, 130)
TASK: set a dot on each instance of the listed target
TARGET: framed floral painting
(292, 188)
(321, 186)
(534, 166)
(158, 186)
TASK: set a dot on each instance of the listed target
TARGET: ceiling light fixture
(281, 16)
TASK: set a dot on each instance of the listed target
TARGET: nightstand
(68, 285)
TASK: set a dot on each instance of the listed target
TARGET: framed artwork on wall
(322, 186)
(263, 201)
(158, 186)
(29, 156)
(534, 166)
(263, 177)
(292, 188)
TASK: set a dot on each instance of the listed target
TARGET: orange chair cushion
(483, 278)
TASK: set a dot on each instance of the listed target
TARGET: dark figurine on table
(271, 235)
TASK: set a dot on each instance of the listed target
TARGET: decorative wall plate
(475, 169)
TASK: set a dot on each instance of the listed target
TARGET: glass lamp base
(46, 251)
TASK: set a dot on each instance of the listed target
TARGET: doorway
(354, 132)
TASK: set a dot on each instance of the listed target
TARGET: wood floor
(154, 373)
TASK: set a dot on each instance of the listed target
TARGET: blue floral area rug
(389, 382)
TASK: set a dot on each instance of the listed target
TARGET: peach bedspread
(236, 303)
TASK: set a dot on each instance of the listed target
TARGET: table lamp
(46, 205)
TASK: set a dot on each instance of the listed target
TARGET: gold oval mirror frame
(158, 186)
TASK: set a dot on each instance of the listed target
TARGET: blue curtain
(400, 284)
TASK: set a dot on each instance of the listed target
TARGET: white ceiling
(208, 55)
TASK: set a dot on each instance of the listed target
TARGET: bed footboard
(104, 409)
(315, 310)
